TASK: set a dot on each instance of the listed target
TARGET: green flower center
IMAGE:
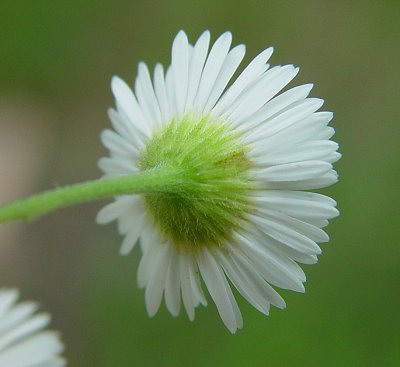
(214, 163)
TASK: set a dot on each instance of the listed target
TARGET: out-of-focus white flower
(24, 341)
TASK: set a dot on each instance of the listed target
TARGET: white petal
(314, 233)
(146, 262)
(235, 307)
(118, 144)
(130, 213)
(311, 127)
(258, 282)
(321, 150)
(133, 235)
(127, 103)
(198, 295)
(35, 351)
(211, 70)
(248, 76)
(314, 183)
(333, 157)
(156, 278)
(284, 249)
(286, 235)
(325, 134)
(146, 96)
(29, 327)
(232, 61)
(161, 93)
(257, 96)
(278, 105)
(169, 85)
(268, 265)
(215, 281)
(299, 204)
(244, 285)
(173, 284)
(187, 294)
(297, 111)
(197, 61)
(125, 128)
(180, 66)
(320, 223)
(259, 288)
(116, 166)
(270, 248)
(297, 171)
(17, 315)
(7, 298)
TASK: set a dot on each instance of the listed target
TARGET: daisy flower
(244, 153)
(23, 340)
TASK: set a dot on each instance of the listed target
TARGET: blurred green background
(56, 61)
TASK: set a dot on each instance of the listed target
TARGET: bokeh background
(56, 61)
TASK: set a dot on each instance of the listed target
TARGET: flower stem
(160, 179)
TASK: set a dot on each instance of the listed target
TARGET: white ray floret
(24, 341)
(284, 148)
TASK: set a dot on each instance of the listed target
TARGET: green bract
(214, 198)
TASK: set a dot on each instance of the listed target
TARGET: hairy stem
(159, 179)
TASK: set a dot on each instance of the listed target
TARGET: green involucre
(212, 203)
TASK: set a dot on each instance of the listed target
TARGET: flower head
(245, 152)
(23, 340)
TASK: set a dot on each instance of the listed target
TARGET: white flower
(254, 151)
(23, 340)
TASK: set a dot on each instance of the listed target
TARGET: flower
(250, 153)
(23, 340)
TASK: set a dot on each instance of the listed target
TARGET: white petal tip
(174, 313)
(335, 213)
(296, 70)
(115, 79)
(103, 216)
(336, 156)
(205, 35)
(281, 305)
(181, 34)
(99, 220)
(141, 67)
(124, 252)
(116, 82)
(264, 311)
(151, 305)
(159, 68)
(226, 36)
(151, 312)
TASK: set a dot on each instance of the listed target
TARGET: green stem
(161, 179)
